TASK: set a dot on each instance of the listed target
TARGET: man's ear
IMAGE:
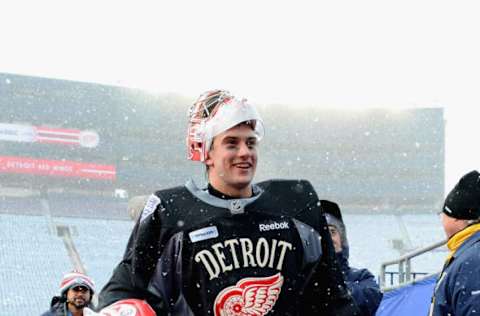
(208, 160)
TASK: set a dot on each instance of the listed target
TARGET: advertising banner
(56, 168)
(41, 134)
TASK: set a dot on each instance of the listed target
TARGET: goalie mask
(213, 113)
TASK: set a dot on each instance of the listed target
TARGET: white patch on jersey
(476, 292)
(203, 233)
(150, 206)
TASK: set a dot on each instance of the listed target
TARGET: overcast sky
(325, 53)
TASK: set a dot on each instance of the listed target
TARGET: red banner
(57, 168)
(50, 135)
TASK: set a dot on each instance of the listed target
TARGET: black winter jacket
(58, 307)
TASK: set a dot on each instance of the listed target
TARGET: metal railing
(392, 277)
(405, 273)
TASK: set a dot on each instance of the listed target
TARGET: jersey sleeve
(131, 276)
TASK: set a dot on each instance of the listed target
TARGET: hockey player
(233, 248)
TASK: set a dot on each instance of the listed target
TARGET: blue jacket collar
(467, 244)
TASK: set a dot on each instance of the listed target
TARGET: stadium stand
(100, 244)
(33, 258)
(32, 261)
(21, 205)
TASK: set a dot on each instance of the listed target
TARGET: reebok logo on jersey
(273, 226)
(203, 233)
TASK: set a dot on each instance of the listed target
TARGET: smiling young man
(76, 292)
(232, 161)
(234, 247)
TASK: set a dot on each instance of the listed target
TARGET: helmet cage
(213, 113)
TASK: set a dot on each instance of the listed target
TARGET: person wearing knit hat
(458, 287)
(76, 292)
(360, 282)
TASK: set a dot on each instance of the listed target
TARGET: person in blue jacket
(360, 282)
(457, 291)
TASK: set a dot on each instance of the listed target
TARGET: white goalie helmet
(214, 112)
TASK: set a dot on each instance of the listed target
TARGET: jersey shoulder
(289, 197)
(181, 208)
(295, 191)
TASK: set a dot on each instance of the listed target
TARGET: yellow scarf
(457, 240)
(453, 244)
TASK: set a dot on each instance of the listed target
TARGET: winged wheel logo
(249, 297)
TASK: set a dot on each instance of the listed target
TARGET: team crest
(249, 297)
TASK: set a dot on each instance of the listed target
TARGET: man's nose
(244, 150)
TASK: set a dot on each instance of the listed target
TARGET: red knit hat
(73, 279)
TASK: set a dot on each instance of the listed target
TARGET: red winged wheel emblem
(249, 297)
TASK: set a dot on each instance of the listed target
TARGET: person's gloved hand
(130, 307)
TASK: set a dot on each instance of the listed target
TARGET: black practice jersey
(192, 253)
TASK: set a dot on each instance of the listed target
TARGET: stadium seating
(32, 262)
(33, 258)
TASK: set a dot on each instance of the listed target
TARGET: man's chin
(244, 177)
(80, 304)
(243, 183)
